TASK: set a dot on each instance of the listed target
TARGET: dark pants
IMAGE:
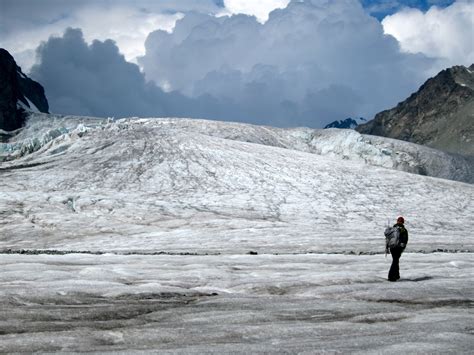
(394, 273)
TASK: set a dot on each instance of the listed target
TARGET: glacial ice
(194, 236)
(343, 144)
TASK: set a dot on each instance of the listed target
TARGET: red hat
(400, 220)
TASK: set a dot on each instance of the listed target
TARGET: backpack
(392, 236)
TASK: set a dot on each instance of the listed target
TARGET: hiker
(396, 241)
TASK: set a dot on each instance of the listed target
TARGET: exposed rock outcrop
(439, 115)
(18, 93)
(348, 123)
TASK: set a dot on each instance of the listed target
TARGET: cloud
(93, 79)
(260, 9)
(310, 63)
(96, 80)
(26, 23)
(439, 33)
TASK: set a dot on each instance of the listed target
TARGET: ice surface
(184, 185)
(337, 143)
(302, 199)
(236, 304)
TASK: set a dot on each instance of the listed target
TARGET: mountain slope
(440, 114)
(181, 185)
(17, 94)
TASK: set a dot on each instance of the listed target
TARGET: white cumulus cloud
(258, 8)
(310, 63)
(444, 33)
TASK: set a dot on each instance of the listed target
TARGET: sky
(277, 62)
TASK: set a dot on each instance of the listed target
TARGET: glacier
(192, 236)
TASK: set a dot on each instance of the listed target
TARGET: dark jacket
(403, 235)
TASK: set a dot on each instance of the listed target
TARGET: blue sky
(382, 8)
(306, 64)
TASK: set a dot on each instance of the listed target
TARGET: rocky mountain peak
(463, 76)
(440, 114)
(348, 123)
(18, 94)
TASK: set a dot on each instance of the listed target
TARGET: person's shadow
(417, 279)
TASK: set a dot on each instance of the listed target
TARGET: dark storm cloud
(93, 80)
(96, 80)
